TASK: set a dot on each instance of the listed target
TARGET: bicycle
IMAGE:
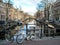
(20, 38)
(9, 36)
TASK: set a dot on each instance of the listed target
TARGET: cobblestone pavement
(55, 41)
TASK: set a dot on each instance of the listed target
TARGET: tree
(8, 1)
(8, 6)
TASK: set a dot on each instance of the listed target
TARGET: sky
(28, 6)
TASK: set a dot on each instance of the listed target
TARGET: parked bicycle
(9, 36)
(20, 38)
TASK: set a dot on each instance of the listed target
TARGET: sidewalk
(42, 39)
(47, 38)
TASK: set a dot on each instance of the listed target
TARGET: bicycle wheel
(20, 38)
(8, 36)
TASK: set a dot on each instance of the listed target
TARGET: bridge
(12, 24)
(49, 29)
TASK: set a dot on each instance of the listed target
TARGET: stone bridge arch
(40, 22)
(49, 26)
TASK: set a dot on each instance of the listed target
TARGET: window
(2, 17)
(57, 18)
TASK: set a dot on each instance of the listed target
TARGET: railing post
(41, 32)
(26, 29)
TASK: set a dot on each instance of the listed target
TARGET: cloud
(30, 10)
(27, 5)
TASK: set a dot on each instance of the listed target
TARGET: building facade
(56, 15)
(56, 12)
(2, 12)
